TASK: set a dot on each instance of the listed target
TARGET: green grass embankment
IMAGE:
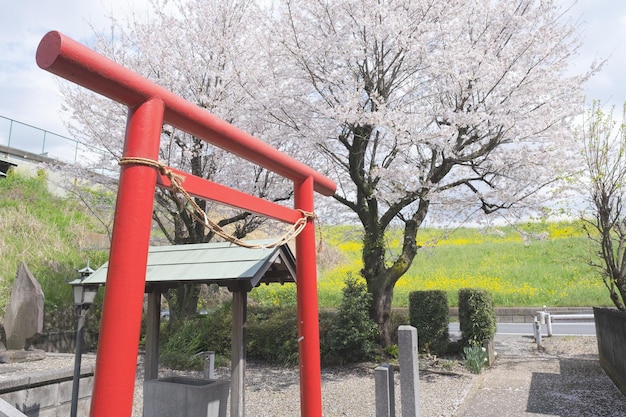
(45, 232)
(549, 268)
(533, 264)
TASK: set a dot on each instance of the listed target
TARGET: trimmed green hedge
(347, 335)
(272, 334)
(477, 316)
(428, 313)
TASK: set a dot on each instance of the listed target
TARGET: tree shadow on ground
(581, 387)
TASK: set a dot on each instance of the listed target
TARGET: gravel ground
(273, 391)
(349, 391)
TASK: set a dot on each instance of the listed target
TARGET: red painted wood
(209, 190)
(75, 62)
(118, 343)
(151, 106)
(308, 318)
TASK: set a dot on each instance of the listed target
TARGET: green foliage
(44, 231)
(219, 327)
(273, 334)
(353, 338)
(477, 317)
(182, 347)
(399, 316)
(392, 351)
(447, 364)
(346, 335)
(274, 295)
(475, 358)
(428, 313)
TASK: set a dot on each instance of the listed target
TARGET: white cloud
(27, 93)
(603, 26)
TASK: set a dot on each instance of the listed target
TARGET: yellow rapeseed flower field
(534, 264)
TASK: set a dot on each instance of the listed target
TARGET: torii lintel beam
(75, 62)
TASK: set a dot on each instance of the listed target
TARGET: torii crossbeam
(150, 106)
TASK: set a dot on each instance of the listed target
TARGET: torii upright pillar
(117, 345)
(308, 313)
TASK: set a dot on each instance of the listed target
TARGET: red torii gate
(150, 106)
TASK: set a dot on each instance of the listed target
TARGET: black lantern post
(84, 296)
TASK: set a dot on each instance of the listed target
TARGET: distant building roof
(5, 165)
(222, 263)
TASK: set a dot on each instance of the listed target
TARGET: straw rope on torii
(200, 215)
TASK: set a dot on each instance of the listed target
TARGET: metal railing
(545, 317)
(24, 137)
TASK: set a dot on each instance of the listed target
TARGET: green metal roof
(221, 263)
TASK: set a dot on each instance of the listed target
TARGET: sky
(27, 93)
(30, 95)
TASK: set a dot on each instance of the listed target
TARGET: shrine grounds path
(564, 378)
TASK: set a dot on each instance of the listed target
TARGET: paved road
(558, 329)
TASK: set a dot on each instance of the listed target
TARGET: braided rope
(200, 215)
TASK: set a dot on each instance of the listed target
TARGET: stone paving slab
(527, 383)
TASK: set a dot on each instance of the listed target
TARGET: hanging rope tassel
(200, 215)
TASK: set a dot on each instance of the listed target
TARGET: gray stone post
(409, 371)
(384, 390)
(209, 365)
(489, 346)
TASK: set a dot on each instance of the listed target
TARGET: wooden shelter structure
(237, 268)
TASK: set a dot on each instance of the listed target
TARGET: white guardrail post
(545, 317)
(549, 324)
(537, 331)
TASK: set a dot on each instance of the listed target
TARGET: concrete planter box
(185, 397)
(611, 336)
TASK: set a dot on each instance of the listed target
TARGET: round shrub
(353, 337)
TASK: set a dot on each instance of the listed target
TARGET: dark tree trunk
(381, 279)
(382, 299)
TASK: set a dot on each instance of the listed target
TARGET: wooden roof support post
(153, 324)
(238, 355)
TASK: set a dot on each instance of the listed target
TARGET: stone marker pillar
(409, 371)
(23, 320)
(384, 391)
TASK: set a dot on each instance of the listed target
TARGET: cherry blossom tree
(206, 52)
(427, 108)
